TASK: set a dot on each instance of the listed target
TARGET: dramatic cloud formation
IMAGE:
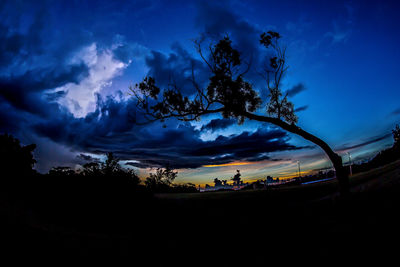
(192, 152)
(80, 98)
(179, 68)
(111, 129)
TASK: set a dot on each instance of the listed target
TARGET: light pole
(298, 164)
(351, 171)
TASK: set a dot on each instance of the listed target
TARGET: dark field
(246, 228)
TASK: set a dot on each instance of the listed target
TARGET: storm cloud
(371, 140)
(301, 108)
(112, 128)
(218, 124)
(296, 90)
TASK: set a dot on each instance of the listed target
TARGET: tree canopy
(16, 159)
(236, 178)
(230, 94)
(161, 180)
(227, 92)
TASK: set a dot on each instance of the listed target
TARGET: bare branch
(199, 50)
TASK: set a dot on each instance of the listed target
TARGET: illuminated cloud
(80, 98)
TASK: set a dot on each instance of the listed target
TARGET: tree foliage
(110, 171)
(61, 171)
(227, 92)
(92, 169)
(278, 106)
(161, 180)
(236, 178)
(217, 182)
(15, 159)
(396, 136)
(111, 164)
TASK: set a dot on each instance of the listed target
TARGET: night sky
(66, 68)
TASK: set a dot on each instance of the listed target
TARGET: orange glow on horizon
(295, 174)
(229, 164)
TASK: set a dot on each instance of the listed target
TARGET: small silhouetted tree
(396, 137)
(217, 182)
(111, 164)
(229, 94)
(161, 180)
(236, 178)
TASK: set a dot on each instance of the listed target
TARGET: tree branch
(296, 130)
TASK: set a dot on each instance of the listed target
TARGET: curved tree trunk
(341, 174)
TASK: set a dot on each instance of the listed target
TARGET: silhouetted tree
(396, 137)
(161, 180)
(92, 169)
(184, 188)
(15, 159)
(111, 172)
(217, 182)
(111, 164)
(236, 178)
(61, 171)
(229, 94)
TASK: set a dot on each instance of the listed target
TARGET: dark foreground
(294, 224)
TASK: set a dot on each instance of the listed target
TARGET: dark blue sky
(66, 66)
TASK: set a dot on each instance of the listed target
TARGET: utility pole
(298, 164)
(351, 171)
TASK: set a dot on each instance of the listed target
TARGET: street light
(298, 164)
(351, 171)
